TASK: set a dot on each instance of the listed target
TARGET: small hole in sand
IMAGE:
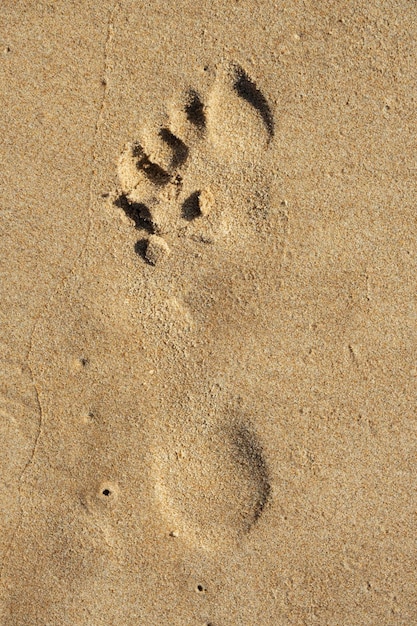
(106, 492)
(200, 588)
(88, 417)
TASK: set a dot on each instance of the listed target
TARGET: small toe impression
(137, 212)
(179, 151)
(157, 250)
(139, 176)
(198, 204)
(191, 207)
(194, 109)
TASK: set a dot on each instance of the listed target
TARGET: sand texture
(208, 313)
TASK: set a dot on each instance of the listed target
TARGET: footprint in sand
(202, 177)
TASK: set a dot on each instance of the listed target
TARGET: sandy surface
(208, 313)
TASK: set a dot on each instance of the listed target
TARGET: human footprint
(204, 179)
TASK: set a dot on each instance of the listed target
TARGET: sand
(208, 313)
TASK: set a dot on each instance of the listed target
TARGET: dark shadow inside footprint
(138, 213)
(178, 147)
(250, 454)
(156, 174)
(247, 90)
(194, 110)
(140, 248)
(191, 207)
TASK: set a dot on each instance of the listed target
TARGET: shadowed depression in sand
(208, 331)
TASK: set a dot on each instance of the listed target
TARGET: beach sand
(208, 320)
